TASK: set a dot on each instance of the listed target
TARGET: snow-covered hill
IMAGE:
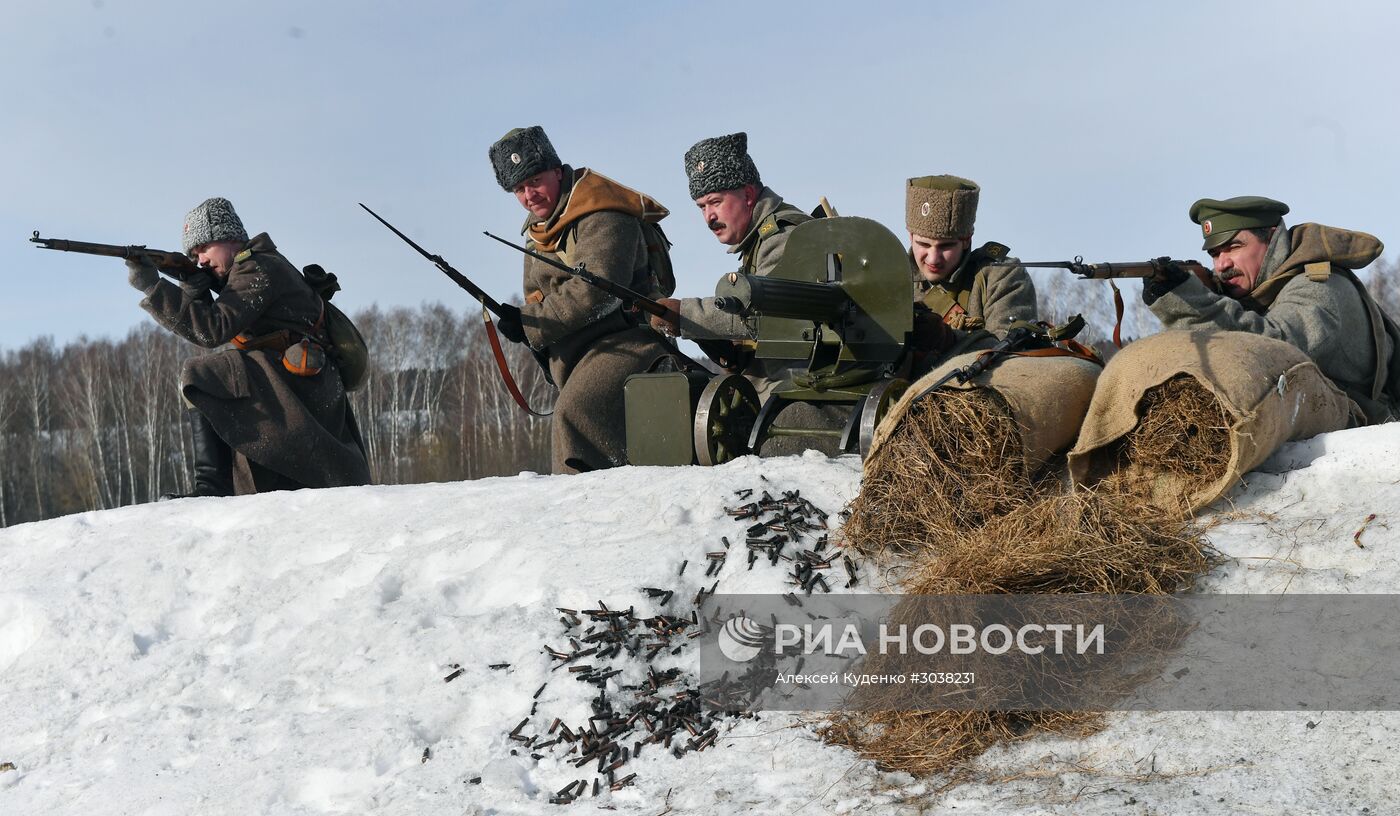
(286, 653)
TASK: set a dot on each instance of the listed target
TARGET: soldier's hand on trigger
(141, 273)
(509, 325)
(670, 323)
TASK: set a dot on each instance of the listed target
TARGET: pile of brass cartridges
(662, 710)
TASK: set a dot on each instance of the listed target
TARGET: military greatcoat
(293, 430)
(593, 346)
(1307, 295)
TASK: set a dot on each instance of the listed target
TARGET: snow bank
(286, 653)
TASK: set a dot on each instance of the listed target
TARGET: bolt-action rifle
(177, 265)
(1131, 269)
(1021, 337)
(723, 352)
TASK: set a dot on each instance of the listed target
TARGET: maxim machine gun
(837, 308)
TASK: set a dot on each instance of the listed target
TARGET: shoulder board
(1318, 272)
(768, 226)
(995, 251)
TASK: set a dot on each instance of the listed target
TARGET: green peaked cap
(1220, 220)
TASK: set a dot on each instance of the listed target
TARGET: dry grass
(1180, 447)
(1085, 541)
(930, 742)
(954, 461)
(952, 494)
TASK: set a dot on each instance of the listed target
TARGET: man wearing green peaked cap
(1297, 285)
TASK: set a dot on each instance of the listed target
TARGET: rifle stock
(174, 264)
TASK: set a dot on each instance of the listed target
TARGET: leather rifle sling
(500, 356)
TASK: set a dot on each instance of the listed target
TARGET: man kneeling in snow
(276, 398)
(1295, 285)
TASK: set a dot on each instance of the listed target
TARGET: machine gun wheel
(878, 403)
(726, 413)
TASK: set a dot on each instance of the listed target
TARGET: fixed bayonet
(445, 267)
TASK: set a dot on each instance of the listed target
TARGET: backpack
(347, 345)
(663, 274)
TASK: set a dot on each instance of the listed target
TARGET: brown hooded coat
(592, 345)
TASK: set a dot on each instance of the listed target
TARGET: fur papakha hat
(213, 220)
(940, 207)
(721, 163)
(520, 154)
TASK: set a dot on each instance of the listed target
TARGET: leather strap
(1117, 314)
(500, 356)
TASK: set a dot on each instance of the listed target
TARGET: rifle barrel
(1130, 269)
(175, 264)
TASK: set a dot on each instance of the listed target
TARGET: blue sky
(1090, 126)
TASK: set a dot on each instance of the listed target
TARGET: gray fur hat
(213, 220)
(520, 154)
(721, 163)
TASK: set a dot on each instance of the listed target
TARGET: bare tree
(37, 362)
(9, 406)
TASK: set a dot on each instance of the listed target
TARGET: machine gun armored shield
(837, 308)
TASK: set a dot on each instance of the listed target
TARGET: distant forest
(99, 423)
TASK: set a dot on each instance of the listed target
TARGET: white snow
(285, 654)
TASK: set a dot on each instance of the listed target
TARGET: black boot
(213, 461)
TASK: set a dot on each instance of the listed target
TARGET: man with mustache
(580, 216)
(275, 398)
(1295, 285)
(958, 290)
(753, 221)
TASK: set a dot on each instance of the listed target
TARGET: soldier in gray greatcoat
(1297, 285)
(593, 345)
(273, 404)
(754, 222)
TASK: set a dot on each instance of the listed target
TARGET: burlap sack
(1046, 396)
(1271, 391)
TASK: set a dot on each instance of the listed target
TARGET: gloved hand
(509, 325)
(196, 284)
(931, 334)
(1169, 277)
(142, 274)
